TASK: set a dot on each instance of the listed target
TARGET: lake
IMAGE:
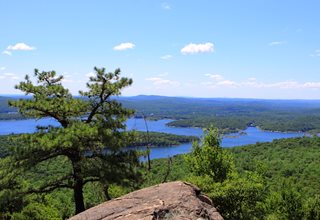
(251, 134)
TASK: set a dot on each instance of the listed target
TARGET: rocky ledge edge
(173, 200)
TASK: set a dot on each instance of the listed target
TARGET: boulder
(173, 200)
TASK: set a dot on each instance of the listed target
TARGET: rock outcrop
(174, 200)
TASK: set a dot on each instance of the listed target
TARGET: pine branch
(49, 187)
(93, 179)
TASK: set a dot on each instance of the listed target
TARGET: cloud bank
(219, 81)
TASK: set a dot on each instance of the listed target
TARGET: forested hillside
(284, 177)
(277, 180)
(229, 115)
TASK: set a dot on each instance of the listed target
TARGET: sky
(266, 49)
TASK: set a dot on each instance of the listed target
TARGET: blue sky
(198, 48)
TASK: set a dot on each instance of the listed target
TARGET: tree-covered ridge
(159, 139)
(230, 115)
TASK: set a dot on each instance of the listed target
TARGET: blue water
(251, 136)
(24, 126)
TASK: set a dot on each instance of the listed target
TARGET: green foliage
(165, 170)
(214, 172)
(260, 188)
(294, 159)
(236, 197)
(285, 204)
(5, 144)
(159, 139)
(312, 208)
(239, 197)
(291, 169)
(37, 211)
(88, 145)
(209, 158)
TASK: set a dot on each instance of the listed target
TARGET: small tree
(210, 159)
(89, 141)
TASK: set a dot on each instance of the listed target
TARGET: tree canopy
(90, 143)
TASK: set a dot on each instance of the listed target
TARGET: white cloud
(20, 46)
(17, 46)
(197, 48)
(277, 43)
(166, 57)
(159, 81)
(7, 53)
(312, 85)
(124, 46)
(219, 81)
(2, 68)
(165, 6)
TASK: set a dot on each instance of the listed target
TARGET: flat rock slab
(174, 200)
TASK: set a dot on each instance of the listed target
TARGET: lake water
(251, 136)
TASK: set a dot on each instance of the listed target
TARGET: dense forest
(277, 180)
(268, 181)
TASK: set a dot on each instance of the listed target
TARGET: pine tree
(90, 141)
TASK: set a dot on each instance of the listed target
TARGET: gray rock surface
(173, 200)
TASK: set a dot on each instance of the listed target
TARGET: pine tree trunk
(78, 185)
(78, 196)
(106, 192)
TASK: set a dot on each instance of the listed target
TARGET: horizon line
(194, 97)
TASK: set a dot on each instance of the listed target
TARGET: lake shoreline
(253, 134)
